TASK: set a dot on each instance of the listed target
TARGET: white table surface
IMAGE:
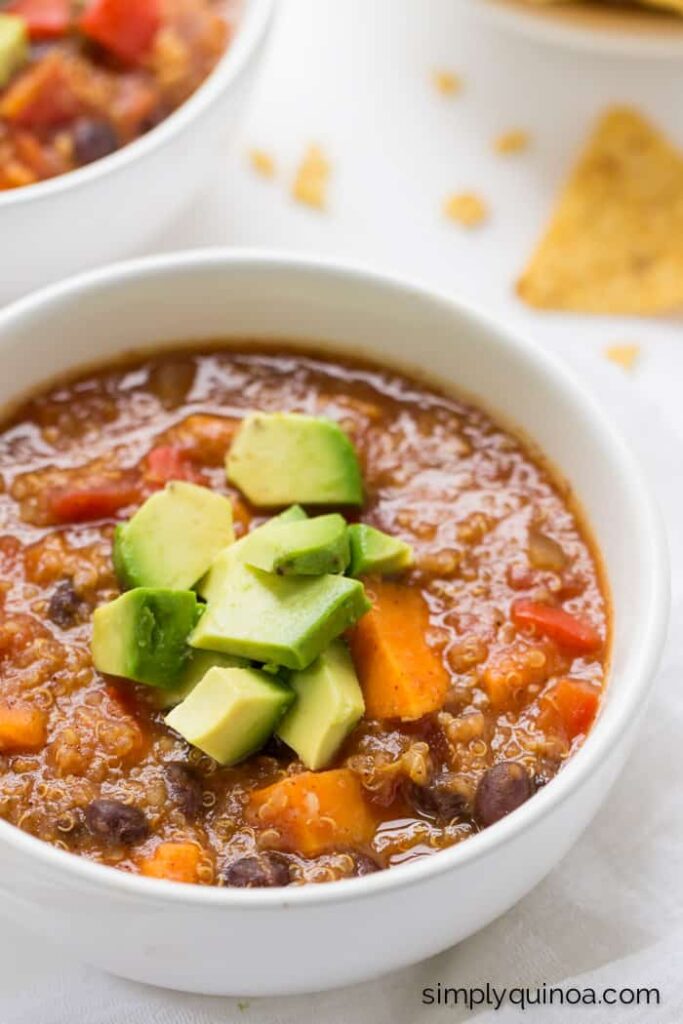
(355, 76)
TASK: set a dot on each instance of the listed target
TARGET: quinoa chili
(503, 608)
(79, 81)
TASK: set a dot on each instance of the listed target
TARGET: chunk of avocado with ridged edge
(373, 551)
(231, 712)
(282, 458)
(310, 547)
(329, 704)
(173, 537)
(142, 635)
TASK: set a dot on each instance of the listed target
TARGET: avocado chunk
(288, 620)
(375, 551)
(173, 538)
(13, 45)
(329, 704)
(196, 667)
(311, 547)
(142, 635)
(281, 458)
(231, 712)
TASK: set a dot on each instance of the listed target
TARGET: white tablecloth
(355, 75)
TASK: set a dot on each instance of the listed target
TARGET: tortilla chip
(623, 355)
(615, 242)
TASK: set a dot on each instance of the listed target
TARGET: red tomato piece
(566, 630)
(42, 97)
(573, 703)
(167, 463)
(46, 19)
(97, 501)
(125, 27)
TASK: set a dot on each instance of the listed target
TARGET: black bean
(364, 864)
(93, 139)
(115, 822)
(184, 787)
(65, 605)
(441, 799)
(260, 871)
(501, 789)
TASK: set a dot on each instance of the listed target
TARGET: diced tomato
(167, 463)
(125, 27)
(98, 501)
(572, 704)
(46, 19)
(566, 630)
(42, 96)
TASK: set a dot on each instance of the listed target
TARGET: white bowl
(108, 209)
(595, 27)
(260, 942)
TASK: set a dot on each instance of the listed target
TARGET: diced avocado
(173, 538)
(288, 620)
(329, 705)
(311, 547)
(196, 667)
(238, 552)
(13, 45)
(142, 635)
(231, 712)
(375, 551)
(280, 458)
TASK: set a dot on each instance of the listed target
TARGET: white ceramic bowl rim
(635, 680)
(252, 25)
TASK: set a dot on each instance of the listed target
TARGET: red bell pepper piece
(557, 624)
(45, 19)
(125, 27)
(167, 463)
(96, 501)
(571, 703)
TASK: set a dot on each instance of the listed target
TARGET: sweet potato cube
(401, 676)
(314, 811)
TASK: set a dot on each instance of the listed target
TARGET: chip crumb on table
(466, 208)
(262, 162)
(615, 240)
(516, 140)
(446, 82)
(312, 179)
(624, 355)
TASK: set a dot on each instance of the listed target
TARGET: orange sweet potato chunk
(401, 676)
(314, 811)
(174, 861)
(22, 728)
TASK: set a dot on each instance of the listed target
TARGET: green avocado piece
(142, 635)
(173, 538)
(13, 45)
(288, 620)
(375, 551)
(196, 667)
(280, 458)
(329, 704)
(231, 712)
(308, 548)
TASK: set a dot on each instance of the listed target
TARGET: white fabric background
(355, 76)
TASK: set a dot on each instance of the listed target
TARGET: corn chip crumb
(466, 208)
(447, 82)
(514, 141)
(262, 162)
(625, 356)
(312, 179)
